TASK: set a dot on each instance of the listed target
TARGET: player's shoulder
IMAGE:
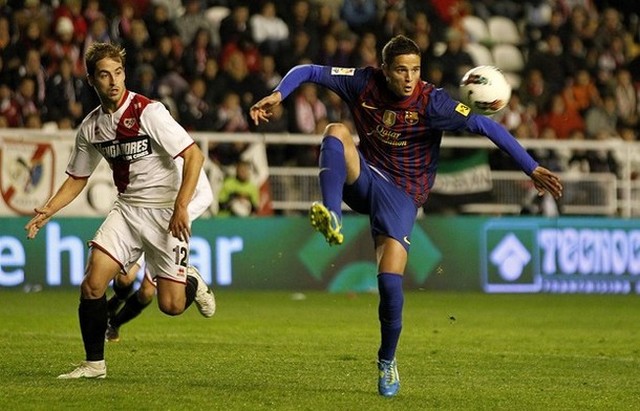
(442, 101)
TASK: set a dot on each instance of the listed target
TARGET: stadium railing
(294, 188)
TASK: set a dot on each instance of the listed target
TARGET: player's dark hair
(99, 51)
(397, 46)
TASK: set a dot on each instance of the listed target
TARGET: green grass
(267, 351)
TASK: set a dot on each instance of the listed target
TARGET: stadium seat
(215, 15)
(508, 57)
(476, 29)
(502, 30)
(480, 54)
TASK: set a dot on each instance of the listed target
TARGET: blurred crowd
(209, 60)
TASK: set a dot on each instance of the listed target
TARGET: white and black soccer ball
(485, 90)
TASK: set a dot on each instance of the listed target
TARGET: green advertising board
(494, 255)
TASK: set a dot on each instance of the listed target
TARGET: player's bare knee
(91, 289)
(338, 130)
(171, 308)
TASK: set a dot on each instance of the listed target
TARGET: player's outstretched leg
(205, 300)
(87, 369)
(388, 378)
(327, 223)
(113, 333)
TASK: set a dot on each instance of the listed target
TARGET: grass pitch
(269, 351)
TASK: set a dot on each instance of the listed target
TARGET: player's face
(108, 81)
(403, 74)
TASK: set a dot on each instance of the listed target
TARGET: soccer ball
(485, 90)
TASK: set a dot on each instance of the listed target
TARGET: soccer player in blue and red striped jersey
(400, 121)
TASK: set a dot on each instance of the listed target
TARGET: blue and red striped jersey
(401, 136)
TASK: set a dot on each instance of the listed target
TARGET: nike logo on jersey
(365, 105)
(406, 240)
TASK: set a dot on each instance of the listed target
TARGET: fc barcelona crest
(389, 118)
(26, 175)
(411, 117)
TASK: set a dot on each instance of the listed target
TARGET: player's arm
(68, 191)
(344, 81)
(543, 179)
(180, 225)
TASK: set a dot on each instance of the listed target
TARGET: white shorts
(201, 201)
(129, 231)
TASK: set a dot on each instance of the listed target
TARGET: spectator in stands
(609, 28)
(6, 41)
(230, 116)
(392, 24)
(26, 98)
(548, 58)
(9, 107)
(166, 60)
(360, 15)
(33, 10)
(98, 32)
(33, 69)
(31, 39)
(326, 21)
(160, 25)
(535, 92)
(577, 56)
(72, 9)
(215, 82)
(581, 92)
(191, 20)
(602, 119)
(516, 115)
(121, 24)
(239, 196)
(366, 52)
(269, 31)
(610, 60)
(236, 77)
(269, 76)
(63, 45)
(301, 20)
(139, 49)
(196, 54)
(627, 98)
(145, 81)
(337, 110)
(93, 10)
(310, 112)
(278, 154)
(559, 117)
(455, 60)
(301, 51)
(64, 95)
(196, 114)
(235, 27)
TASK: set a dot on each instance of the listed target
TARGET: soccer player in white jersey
(125, 304)
(140, 141)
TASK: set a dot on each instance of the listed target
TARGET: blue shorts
(391, 210)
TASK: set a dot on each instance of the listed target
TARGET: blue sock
(390, 313)
(333, 173)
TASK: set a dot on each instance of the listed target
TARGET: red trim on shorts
(171, 279)
(99, 247)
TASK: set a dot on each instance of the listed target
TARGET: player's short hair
(397, 46)
(99, 51)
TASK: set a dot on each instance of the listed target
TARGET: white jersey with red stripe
(140, 140)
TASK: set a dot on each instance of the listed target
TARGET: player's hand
(37, 222)
(179, 225)
(261, 111)
(546, 182)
